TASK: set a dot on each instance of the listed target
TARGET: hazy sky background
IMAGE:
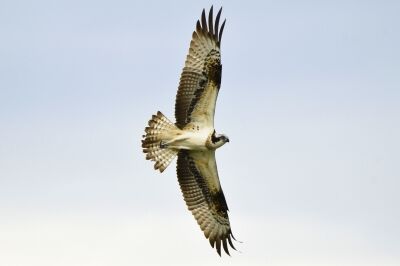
(310, 99)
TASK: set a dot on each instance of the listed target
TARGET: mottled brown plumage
(205, 199)
(202, 69)
(193, 137)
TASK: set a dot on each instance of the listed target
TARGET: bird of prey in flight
(193, 137)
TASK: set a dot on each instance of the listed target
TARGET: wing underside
(201, 73)
(198, 179)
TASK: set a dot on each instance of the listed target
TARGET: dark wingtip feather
(198, 26)
(217, 23)
(218, 247)
(230, 242)
(194, 36)
(212, 29)
(203, 20)
(220, 32)
(210, 21)
(212, 243)
(225, 245)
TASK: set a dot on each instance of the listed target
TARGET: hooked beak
(227, 140)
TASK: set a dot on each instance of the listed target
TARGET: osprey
(193, 137)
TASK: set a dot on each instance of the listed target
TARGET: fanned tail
(159, 131)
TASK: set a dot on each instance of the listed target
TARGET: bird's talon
(163, 144)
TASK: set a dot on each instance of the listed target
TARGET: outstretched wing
(201, 77)
(199, 182)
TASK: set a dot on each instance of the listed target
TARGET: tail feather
(159, 129)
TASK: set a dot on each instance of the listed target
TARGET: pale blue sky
(310, 99)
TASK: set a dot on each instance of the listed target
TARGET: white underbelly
(191, 140)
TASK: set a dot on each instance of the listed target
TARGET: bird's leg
(175, 143)
(163, 144)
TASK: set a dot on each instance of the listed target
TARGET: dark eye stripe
(214, 139)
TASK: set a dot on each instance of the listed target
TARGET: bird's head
(217, 140)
